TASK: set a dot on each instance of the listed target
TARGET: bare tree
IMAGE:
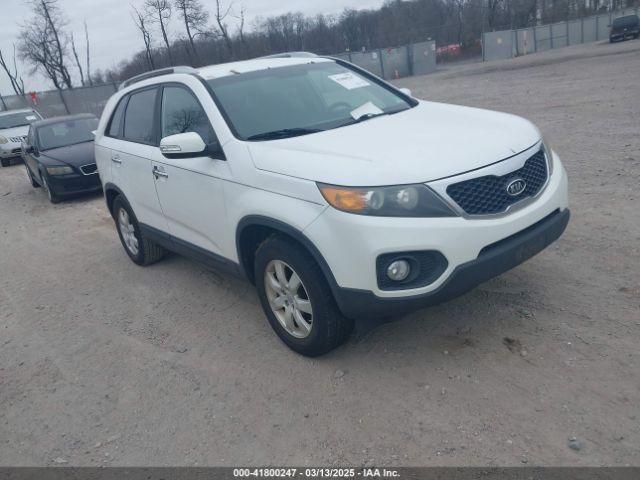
(16, 81)
(223, 31)
(160, 12)
(195, 19)
(142, 23)
(43, 42)
(77, 59)
(86, 36)
(241, 20)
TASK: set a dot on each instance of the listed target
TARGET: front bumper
(10, 150)
(623, 36)
(492, 261)
(74, 184)
(350, 245)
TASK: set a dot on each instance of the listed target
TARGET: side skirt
(186, 249)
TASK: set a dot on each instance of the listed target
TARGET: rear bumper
(493, 260)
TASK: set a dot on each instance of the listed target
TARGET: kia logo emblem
(516, 187)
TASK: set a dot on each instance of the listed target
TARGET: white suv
(338, 195)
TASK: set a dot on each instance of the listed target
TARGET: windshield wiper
(284, 133)
(362, 118)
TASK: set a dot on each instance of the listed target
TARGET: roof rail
(157, 73)
(291, 55)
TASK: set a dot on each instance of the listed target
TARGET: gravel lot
(106, 363)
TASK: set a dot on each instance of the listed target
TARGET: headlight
(397, 201)
(3, 140)
(59, 170)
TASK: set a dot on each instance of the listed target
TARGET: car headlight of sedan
(3, 140)
(59, 170)
(395, 201)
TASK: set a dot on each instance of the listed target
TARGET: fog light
(398, 270)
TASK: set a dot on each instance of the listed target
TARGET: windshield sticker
(31, 117)
(349, 81)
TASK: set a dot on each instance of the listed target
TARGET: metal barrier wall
(391, 63)
(54, 103)
(513, 43)
(498, 45)
(423, 57)
(388, 63)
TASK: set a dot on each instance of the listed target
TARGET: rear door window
(139, 117)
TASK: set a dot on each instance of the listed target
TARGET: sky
(113, 36)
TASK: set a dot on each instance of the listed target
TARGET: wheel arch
(111, 191)
(255, 229)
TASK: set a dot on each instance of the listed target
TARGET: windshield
(66, 133)
(301, 99)
(623, 22)
(21, 119)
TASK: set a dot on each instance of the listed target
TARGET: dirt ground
(106, 363)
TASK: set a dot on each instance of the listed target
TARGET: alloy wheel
(128, 232)
(288, 299)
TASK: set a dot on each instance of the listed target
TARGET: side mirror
(406, 91)
(189, 145)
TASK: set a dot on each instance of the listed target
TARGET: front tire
(53, 197)
(140, 249)
(5, 162)
(297, 300)
(34, 184)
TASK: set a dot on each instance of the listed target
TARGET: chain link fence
(514, 43)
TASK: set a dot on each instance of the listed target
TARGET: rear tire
(140, 249)
(305, 317)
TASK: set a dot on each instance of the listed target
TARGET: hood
(428, 142)
(73, 155)
(14, 132)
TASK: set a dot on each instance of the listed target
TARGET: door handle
(116, 159)
(159, 173)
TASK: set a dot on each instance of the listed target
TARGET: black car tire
(329, 328)
(53, 197)
(148, 251)
(34, 184)
(5, 162)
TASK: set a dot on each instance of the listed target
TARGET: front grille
(89, 169)
(488, 195)
(16, 150)
(17, 139)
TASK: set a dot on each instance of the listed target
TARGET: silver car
(14, 126)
